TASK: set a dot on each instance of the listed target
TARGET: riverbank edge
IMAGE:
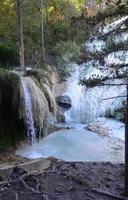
(38, 165)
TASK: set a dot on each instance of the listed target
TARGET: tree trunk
(42, 33)
(20, 33)
(126, 145)
(47, 25)
(69, 19)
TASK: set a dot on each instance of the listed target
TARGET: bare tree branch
(114, 97)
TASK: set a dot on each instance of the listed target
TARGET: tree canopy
(57, 15)
(58, 27)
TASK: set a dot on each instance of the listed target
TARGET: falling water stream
(75, 92)
(31, 136)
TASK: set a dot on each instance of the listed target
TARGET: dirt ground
(67, 181)
(8, 157)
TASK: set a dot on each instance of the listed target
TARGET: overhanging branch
(114, 97)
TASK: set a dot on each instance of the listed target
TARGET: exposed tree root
(64, 181)
(22, 180)
(109, 194)
(14, 192)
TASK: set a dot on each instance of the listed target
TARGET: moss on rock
(10, 123)
(40, 75)
(49, 96)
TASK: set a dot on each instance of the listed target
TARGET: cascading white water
(74, 91)
(114, 25)
(97, 102)
(31, 133)
(89, 103)
(95, 45)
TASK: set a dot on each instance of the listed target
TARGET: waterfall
(74, 91)
(114, 25)
(88, 103)
(94, 104)
(31, 133)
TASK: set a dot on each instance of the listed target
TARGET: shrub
(8, 55)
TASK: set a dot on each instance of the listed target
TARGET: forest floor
(67, 181)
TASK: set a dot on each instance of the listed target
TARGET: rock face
(40, 76)
(64, 102)
(13, 116)
(11, 125)
(40, 110)
(42, 100)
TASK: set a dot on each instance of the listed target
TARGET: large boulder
(60, 115)
(64, 102)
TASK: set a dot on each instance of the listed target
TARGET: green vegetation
(46, 26)
(57, 28)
